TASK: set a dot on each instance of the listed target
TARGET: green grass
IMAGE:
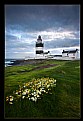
(64, 102)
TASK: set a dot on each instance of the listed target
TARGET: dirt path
(45, 66)
(39, 67)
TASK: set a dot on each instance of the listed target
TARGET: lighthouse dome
(39, 37)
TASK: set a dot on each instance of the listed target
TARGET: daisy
(23, 97)
(24, 93)
(10, 103)
(7, 98)
(10, 98)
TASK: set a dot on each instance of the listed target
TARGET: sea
(8, 62)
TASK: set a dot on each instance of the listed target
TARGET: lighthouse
(39, 48)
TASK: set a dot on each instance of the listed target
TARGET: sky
(58, 25)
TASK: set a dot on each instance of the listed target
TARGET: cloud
(49, 35)
(58, 25)
(37, 17)
(25, 41)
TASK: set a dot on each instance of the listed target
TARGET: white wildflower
(7, 98)
(11, 98)
(24, 93)
(23, 97)
(48, 85)
(10, 102)
(38, 96)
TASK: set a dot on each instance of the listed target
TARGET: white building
(70, 54)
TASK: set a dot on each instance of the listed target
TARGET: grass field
(63, 103)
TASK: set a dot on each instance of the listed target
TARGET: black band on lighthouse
(39, 52)
(39, 44)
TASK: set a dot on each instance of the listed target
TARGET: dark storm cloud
(42, 17)
(61, 43)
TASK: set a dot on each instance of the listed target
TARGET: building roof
(70, 51)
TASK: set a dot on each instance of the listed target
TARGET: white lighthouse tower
(39, 48)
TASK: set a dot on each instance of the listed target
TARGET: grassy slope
(64, 101)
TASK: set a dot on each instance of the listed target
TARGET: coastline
(32, 61)
(25, 62)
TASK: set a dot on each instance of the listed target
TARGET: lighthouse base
(40, 56)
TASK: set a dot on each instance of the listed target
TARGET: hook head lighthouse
(39, 47)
